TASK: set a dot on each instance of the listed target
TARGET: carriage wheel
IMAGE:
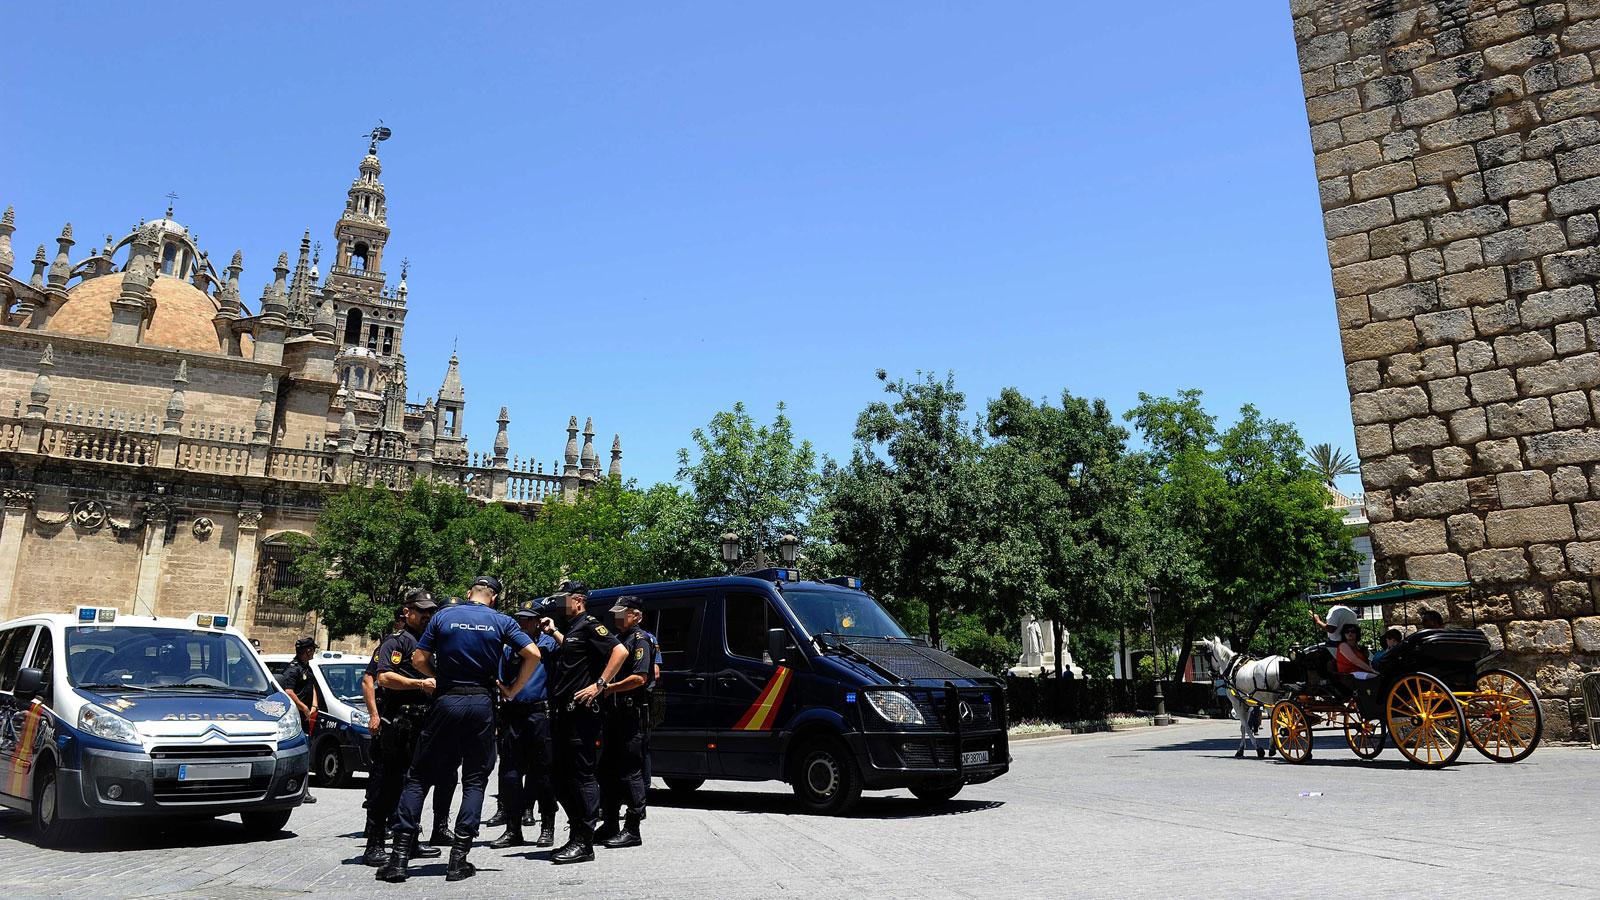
(1291, 731)
(1425, 720)
(1503, 717)
(1365, 736)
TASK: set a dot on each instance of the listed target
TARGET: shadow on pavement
(1332, 753)
(766, 802)
(144, 834)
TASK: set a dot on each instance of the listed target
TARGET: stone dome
(182, 317)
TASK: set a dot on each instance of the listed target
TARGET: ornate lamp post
(1155, 663)
(788, 549)
(730, 550)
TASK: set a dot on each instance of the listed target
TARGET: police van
(767, 677)
(104, 715)
(341, 740)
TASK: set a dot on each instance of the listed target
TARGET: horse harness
(1257, 685)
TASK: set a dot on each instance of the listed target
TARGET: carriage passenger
(1338, 618)
(1432, 619)
(1355, 670)
(1391, 640)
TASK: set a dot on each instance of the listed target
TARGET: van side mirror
(27, 687)
(780, 647)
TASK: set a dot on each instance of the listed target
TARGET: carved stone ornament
(88, 515)
(202, 527)
(249, 519)
(16, 498)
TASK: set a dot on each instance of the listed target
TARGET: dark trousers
(459, 732)
(577, 739)
(527, 753)
(392, 752)
(622, 779)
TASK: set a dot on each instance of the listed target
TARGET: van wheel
(937, 791)
(824, 777)
(683, 785)
(331, 770)
(265, 824)
(53, 831)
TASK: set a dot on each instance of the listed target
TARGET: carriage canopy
(1391, 592)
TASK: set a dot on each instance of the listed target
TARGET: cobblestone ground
(1149, 813)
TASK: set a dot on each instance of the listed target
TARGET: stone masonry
(1457, 148)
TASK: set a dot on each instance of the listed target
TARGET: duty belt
(469, 690)
(628, 700)
(537, 706)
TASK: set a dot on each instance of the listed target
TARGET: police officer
(298, 683)
(526, 752)
(461, 648)
(627, 711)
(404, 697)
(589, 658)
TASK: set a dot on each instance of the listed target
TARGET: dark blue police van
(767, 677)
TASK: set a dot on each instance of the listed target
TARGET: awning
(1392, 592)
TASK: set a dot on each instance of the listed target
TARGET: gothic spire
(301, 285)
(451, 390)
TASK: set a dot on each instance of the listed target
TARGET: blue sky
(646, 211)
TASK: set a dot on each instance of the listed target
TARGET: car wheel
(265, 823)
(331, 770)
(683, 785)
(53, 831)
(937, 791)
(824, 777)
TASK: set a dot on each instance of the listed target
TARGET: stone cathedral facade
(160, 435)
(1457, 151)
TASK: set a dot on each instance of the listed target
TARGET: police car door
(678, 744)
(749, 689)
(18, 724)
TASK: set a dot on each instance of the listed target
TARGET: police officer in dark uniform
(589, 658)
(526, 751)
(627, 711)
(296, 679)
(404, 697)
(461, 648)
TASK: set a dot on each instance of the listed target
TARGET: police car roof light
(849, 581)
(778, 575)
(89, 614)
(209, 620)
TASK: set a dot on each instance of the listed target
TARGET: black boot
(627, 837)
(608, 830)
(375, 854)
(400, 845)
(528, 821)
(499, 817)
(459, 868)
(442, 835)
(512, 837)
(547, 835)
(424, 851)
(579, 848)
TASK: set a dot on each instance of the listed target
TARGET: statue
(1039, 650)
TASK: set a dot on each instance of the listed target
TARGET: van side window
(13, 643)
(675, 621)
(746, 618)
(44, 660)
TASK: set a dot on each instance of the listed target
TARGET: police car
(107, 715)
(767, 677)
(341, 742)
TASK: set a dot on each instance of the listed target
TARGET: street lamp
(1155, 663)
(730, 549)
(788, 549)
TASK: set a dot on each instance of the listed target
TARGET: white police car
(106, 715)
(341, 742)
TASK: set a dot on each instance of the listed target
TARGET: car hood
(909, 662)
(194, 714)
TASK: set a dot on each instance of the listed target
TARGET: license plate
(975, 758)
(213, 772)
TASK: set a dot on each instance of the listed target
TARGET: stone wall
(1457, 150)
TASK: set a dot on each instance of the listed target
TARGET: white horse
(1257, 679)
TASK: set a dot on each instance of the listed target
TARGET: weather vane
(380, 132)
(172, 197)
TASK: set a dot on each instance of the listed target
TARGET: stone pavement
(1148, 813)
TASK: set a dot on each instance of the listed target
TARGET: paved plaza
(1147, 813)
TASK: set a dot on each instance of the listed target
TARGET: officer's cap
(574, 587)
(626, 602)
(529, 609)
(417, 598)
(452, 601)
(304, 644)
(488, 581)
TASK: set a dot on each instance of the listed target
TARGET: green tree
(614, 533)
(1331, 463)
(755, 481)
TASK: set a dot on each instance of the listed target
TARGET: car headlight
(103, 723)
(894, 707)
(289, 726)
(360, 717)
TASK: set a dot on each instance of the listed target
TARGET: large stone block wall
(1457, 151)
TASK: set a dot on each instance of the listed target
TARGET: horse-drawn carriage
(1433, 694)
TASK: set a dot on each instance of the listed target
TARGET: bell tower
(369, 316)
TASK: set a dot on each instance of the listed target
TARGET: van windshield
(130, 658)
(845, 613)
(344, 680)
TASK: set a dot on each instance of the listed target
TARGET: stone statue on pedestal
(1039, 650)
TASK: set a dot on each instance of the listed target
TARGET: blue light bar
(220, 621)
(86, 613)
(850, 697)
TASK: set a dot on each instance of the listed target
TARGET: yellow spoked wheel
(1503, 717)
(1425, 720)
(1365, 736)
(1291, 731)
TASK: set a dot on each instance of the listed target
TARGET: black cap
(488, 581)
(575, 587)
(417, 598)
(626, 602)
(304, 644)
(452, 601)
(529, 609)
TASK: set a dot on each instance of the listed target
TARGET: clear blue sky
(646, 211)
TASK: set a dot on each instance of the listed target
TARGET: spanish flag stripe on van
(762, 713)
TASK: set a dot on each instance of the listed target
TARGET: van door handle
(694, 682)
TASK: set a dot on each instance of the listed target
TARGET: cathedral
(160, 435)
